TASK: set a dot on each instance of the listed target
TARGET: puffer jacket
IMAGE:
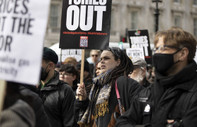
(58, 98)
(37, 105)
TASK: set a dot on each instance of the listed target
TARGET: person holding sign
(57, 96)
(103, 103)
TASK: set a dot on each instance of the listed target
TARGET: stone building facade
(134, 14)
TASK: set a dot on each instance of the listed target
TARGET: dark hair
(70, 68)
(86, 66)
(125, 67)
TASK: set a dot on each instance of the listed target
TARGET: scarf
(167, 91)
(99, 96)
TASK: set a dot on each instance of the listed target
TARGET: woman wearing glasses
(69, 74)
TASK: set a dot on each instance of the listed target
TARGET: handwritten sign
(22, 29)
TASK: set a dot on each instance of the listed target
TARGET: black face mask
(163, 62)
(44, 74)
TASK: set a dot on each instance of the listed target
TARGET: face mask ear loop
(46, 68)
(178, 51)
(175, 53)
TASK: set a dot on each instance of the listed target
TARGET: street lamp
(156, 14)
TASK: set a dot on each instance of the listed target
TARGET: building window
(54, 22)
(177, 1)
(194, 2)
(177, 21)
(195, 27)
(134, 19)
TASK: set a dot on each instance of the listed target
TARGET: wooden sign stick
(2, 93)
(82, 69)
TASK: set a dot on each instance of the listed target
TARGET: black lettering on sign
(5, 43)
(22, 25)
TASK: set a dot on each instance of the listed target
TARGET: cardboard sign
(76, 53)
(22, 29)
(140, 39)
(85, 24)
(135, 53)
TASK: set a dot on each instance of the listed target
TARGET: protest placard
(22, 30)
(76, 53)
(140, 39)
(85, 24)
(135, 53)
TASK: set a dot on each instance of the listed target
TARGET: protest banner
(140, 39)
(22, 30)
(85, 24)
(76, 53)
(135, 53)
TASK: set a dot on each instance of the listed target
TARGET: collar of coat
(181, 80)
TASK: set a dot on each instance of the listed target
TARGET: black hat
(86, 65)
(49, 54)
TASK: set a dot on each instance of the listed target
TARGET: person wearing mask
(140, 72)
(57, 96)
(173, 98)
(103, 106)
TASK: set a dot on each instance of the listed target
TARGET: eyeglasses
(67, 74)
(94, 55)
(164, 48)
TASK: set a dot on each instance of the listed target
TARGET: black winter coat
(59, 99)
(37, 105)
(172, 98)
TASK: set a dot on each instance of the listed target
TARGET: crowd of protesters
(116, 91)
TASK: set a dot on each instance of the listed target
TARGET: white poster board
(76, 53)
(22, 30)
(135, 53)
